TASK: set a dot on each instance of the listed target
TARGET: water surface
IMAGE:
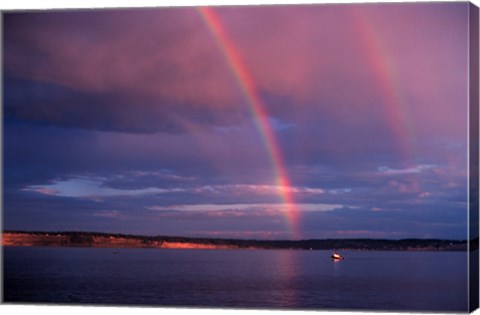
(290, 279)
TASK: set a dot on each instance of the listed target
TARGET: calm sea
(287, 279)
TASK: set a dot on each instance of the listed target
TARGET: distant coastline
(107, 240)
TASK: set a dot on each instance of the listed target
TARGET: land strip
(106, 240)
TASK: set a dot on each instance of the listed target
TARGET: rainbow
(385, 77)
(257, 108)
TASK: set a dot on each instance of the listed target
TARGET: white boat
(336, 256)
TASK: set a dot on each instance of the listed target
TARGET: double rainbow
(385, 79)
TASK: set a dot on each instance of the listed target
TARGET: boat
(336, 256)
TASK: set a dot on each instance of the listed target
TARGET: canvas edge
(473, 233)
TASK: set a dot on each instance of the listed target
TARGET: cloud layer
(134, 121)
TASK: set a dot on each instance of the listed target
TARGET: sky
(256, 122)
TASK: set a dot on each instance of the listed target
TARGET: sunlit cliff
(92, 240)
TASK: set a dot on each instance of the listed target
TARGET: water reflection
(337, 266)
(287, 269)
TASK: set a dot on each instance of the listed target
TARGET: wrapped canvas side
(473, 155)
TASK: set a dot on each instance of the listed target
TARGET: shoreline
(108, 240)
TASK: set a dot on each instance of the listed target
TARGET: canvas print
(294, 157)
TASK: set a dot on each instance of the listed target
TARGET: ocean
(247, 279)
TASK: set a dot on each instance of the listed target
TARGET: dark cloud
(57, 105)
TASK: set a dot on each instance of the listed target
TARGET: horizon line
(237, 239)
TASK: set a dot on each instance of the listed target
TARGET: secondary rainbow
(385, 78)
(257, 108)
